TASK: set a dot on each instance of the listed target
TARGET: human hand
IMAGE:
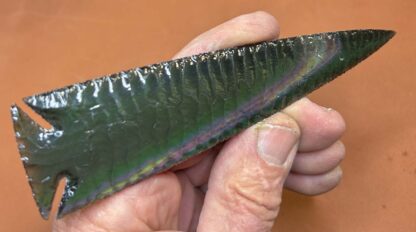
(237, 185)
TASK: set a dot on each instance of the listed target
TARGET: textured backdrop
(48, 44)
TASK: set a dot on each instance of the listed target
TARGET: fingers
(245, 29)
(315, 169)
(145, 206)
(319, 162)
(320, 126)
(318, 172)
(314, 184)
(193, 160)
(199, 173)
(192, 200)
(244, 190)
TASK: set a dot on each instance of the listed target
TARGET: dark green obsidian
(111, 132)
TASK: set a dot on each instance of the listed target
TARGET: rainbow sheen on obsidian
(116, 130)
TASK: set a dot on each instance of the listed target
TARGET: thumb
(245, 187)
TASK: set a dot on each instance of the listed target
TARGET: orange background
(48, 44)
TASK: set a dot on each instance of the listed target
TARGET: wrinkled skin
(237, 185)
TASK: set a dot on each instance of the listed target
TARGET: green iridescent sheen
(114, 131)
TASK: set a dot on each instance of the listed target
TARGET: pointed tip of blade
(379, 38)
(357, 45)
(386, 34)
(391, 32)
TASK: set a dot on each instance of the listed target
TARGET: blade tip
(388, 33)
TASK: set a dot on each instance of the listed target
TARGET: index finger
(244, 29)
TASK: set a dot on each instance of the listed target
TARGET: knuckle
(319, 185)
(284, 120)
(339, 150)
(258, 197)
(329, 182)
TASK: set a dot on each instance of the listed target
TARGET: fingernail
(275, 143)
(327, 109)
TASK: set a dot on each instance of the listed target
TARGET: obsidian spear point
(114, 131)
